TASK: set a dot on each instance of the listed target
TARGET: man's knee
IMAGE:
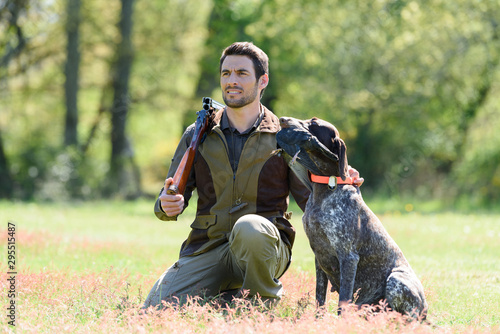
(260, 254)
(254, 230)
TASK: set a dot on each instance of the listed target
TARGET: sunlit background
(94, 95)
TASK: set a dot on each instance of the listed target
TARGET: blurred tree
(401, 80)
(12, 44)
(411, 85)
(15, 41)
(166, 72)
(478, 164)
(6, 183)
(71, 70)
(122, 180)
(165, 76)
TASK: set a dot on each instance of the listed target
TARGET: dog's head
(315, 144)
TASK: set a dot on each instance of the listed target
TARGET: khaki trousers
(253, 259)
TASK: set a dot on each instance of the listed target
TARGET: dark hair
(258, 57)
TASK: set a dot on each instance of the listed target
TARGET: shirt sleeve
(191, 183)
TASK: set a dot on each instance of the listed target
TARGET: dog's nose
(284, 122)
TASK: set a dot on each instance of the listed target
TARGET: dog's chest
(329, 220)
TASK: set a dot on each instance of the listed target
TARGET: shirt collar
(224, 124)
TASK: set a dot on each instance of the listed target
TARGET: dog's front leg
(348, 267)
(321, 284)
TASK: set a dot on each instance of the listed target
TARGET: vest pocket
(199, 238)
(203, 222)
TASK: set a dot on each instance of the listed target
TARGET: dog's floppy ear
(315, 145)
(339, 149)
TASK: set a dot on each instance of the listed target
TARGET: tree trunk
(11, 51)
(71, 72)
(6, 183)
(121, 182)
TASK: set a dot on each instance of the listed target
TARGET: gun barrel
(208, 102)
(183, 169)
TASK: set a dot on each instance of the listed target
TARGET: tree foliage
(403, 81)
(413, 86)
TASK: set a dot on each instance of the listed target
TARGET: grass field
(86, 267)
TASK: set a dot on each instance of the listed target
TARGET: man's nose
(233, 79)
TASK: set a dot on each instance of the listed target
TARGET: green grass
(100, 253)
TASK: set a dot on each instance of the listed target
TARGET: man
(240, 241)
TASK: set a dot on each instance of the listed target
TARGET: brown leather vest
(261, 181)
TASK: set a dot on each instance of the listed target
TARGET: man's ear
(263, 81)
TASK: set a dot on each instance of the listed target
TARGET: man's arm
(168, 207)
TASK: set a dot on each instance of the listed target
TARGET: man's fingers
(172, 205)
(359, 181)
(168, 182)
(355, 175)
(353, 172)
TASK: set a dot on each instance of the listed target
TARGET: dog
(351, 246)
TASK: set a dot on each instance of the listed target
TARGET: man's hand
(358, 181)
(172, 205)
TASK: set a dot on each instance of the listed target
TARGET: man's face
(238, 83)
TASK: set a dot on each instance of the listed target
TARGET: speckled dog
(352, 248)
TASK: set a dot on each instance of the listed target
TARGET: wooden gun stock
(202, 123)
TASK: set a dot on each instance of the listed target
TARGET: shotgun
(203, 121)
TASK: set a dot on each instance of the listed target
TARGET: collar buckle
(332, 183)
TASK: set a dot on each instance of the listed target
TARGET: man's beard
(242, 101)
